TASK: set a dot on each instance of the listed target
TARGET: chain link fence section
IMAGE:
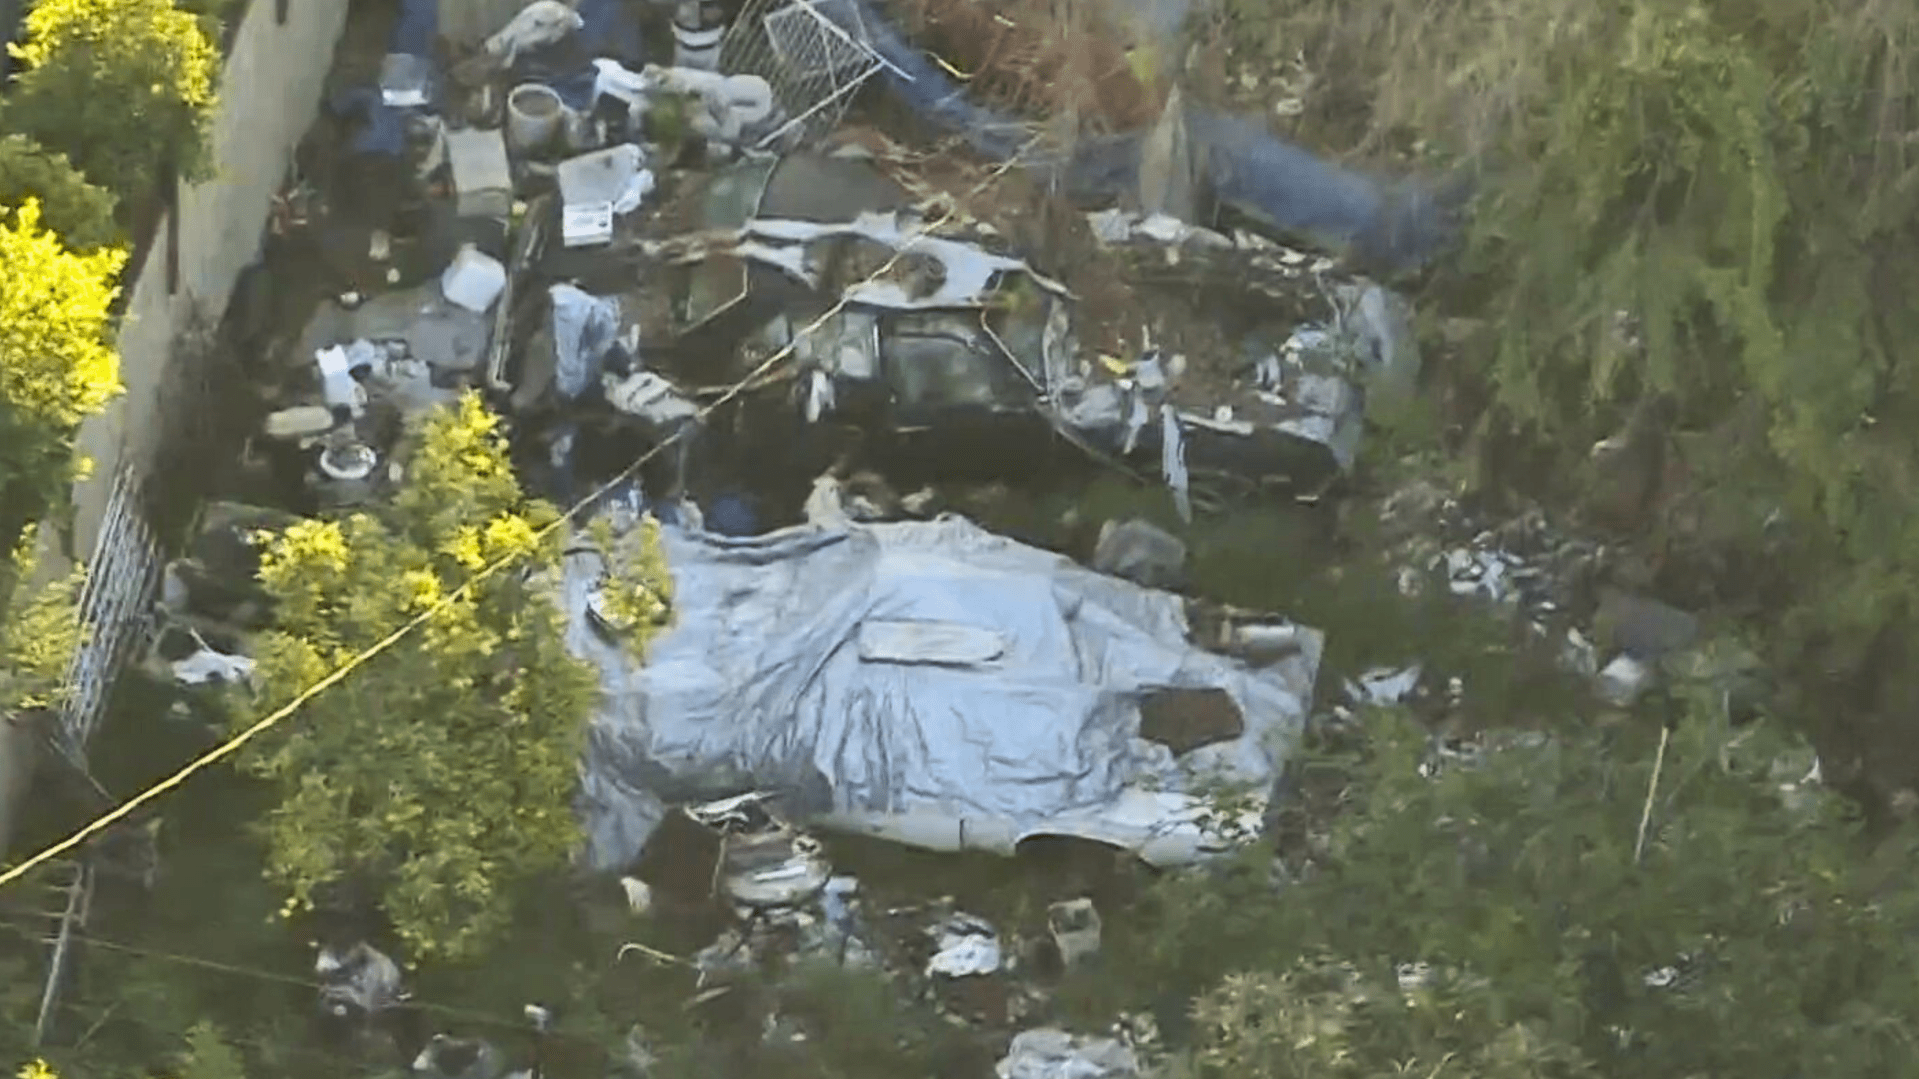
(813, 65)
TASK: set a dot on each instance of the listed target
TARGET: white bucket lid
(348, 461)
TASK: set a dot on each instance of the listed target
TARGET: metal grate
(814, 62)
(113, 607)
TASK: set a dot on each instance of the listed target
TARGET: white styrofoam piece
(474, 279)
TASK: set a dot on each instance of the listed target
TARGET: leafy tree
(122, 87)
(1711, 202)
(80, 213)
(39, 630)
(441, 772)
(57, 362)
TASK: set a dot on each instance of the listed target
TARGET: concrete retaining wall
(274, 77)
(275, 73)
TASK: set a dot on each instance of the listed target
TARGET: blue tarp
(415, 29)
(382, 128)
(609, 29)
(1285, 187)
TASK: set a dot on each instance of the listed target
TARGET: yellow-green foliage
(1322, 1019)
(39, 630)
(208, 1056)
(118, 86)
(638, 591)
(81, 213)
(57, 362)
(442, 771)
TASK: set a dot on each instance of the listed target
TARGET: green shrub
(121, 87)
(1518, 882)
(81, 213)
(57, 361)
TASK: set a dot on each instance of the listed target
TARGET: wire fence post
(79, 902)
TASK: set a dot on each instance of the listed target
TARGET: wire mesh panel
(121, 578)
(813, 63)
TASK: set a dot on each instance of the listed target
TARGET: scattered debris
(1623, 680)
(446, 1057)
(966, 946)
(765, 863)
(1075, 926)
(1140, 552)
(1055, 1054)
(482, 175)
(358, 982)
(209, 666)
(473, 280)
(535, 210)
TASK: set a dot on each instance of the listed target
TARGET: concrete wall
(274, 78)
(275, 74)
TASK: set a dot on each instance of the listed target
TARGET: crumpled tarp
(790, 666)
(585, 328)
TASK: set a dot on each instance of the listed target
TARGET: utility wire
(235, 743)
(447, 1011)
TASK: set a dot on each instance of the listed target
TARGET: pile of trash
(624, 253)
(789, 909)
(601, 243)
(1567, 591)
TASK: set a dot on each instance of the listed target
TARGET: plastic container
(348, 461)
(473, 279)
(534, 117)
(697, 47)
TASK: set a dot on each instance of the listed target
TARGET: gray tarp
(926, 681)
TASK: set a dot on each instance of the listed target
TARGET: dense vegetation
(109, 96)
(123, 88)
(440, 775)
(1707, 204)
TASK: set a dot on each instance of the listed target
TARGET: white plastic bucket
(696, 48)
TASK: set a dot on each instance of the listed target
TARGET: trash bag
(585, 329)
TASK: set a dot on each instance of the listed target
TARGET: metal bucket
(534, 115)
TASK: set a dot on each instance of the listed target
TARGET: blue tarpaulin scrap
(609, 29)
(807, 661)
(415, 29)
(382, 127)
(732, 514)
(1283, 186)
